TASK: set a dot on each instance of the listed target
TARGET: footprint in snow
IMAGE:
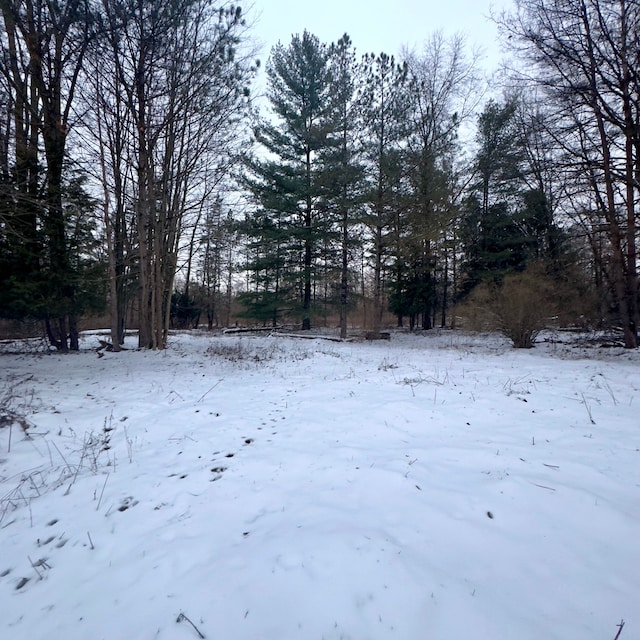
(21, 583)
(127, 503)
(218, 471)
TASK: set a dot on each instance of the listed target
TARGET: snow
(435, 486)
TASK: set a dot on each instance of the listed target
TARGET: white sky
(378, 25)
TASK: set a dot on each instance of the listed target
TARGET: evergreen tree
(508, 222)
(30, 291)
(345, 171)
(288, 186)
(384, 105)
(272, 291)
(43, 48)
(494, 242)
(500, 154)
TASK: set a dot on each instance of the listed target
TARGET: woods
(140, 178)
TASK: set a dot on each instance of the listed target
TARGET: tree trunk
(377, 283)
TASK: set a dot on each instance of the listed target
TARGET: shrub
(519, 308)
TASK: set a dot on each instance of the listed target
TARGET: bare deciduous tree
(585, 55)
(175, 86)
(445, 89)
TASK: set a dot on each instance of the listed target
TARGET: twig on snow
(182, 617)
(35, 568)
(129, 445)
(620, 627)
(60, 452)
(41, 563)
(542, 486)
(75, 475)
(587, 406)
(204, 395)
(102, 492)
(90, 541)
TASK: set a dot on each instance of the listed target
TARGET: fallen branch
(106, 346)
(249, 330)
(182, 617)
(311, 336)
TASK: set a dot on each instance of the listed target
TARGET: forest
(144, 179)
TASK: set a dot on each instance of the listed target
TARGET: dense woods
(141, 180)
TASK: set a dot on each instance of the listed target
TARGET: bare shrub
(15, 403)
(247, 351)
(519, 308)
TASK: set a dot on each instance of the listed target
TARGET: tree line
(137, 172)
(119, 125)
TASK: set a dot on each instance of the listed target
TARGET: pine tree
(43, 46)
(345, 171)
(384, 105)
(272, 292)
(508, 221)
(494, 243)
(288, 185)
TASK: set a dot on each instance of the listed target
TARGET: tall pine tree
(287, 182)
(345, 170)
(385, 104)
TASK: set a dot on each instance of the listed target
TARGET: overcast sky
(377, 25)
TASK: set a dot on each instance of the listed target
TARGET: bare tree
(445, 89)
(214, 251)
(176, 88)
(585, 55)
(108, 128)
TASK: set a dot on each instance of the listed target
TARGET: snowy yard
(432, 487)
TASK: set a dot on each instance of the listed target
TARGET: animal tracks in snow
(35, 567)
(38, 566)
(127, 503)
(219, 469)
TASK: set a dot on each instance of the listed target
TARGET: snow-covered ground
(439, 486)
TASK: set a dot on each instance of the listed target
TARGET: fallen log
(106, 346)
